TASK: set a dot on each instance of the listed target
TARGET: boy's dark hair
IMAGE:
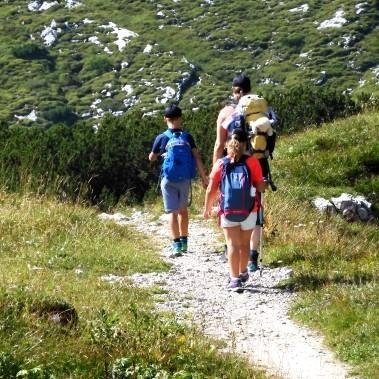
(243, 82)
(172, 111)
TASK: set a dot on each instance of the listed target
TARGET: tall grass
(335, 262)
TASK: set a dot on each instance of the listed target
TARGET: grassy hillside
(80, 59)
(335, 263)
(57, 315)
(342, 156)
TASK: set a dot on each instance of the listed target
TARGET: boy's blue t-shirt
(159, 145)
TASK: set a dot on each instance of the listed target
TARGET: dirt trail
(253, 323)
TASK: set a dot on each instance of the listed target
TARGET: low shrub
(60, 113)
(72, 159)
(31, 51)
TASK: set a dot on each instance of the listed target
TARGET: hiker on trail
(180, 160)
(260, 121)
(236, 178)
(240, 87)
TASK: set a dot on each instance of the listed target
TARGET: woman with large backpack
(232, 116)
(236, 178)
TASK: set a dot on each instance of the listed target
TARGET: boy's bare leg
(183, 221)
(174, 225)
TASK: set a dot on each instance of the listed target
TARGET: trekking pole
(270, 181)
(261, 216)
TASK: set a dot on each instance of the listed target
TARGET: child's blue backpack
(179, 163)
(236, 202)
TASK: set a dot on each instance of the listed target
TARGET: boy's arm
(153, 156)
(200, 167)
(156, 149)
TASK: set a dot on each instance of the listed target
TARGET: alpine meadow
(84, 84)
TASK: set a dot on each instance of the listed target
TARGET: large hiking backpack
(253, 107)
(236, 202)
(179, 163)
(255, 115)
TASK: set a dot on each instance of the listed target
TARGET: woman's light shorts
(247, 224)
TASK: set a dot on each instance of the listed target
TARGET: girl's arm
(210, 197)
(212, 190)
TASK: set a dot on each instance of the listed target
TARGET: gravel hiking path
(253, 323)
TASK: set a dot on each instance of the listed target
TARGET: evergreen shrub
(305, 106)
(60, 113)
(110, 164)
(30, 51)
(100, 64)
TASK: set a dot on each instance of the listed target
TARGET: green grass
(342, 156)
(53, 254)
(262, 38)
(348, 316)
(59, 319)
(335, 263)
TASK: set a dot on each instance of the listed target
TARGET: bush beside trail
(110, 164)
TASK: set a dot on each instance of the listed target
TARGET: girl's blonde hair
(235, 148)
(236, 144)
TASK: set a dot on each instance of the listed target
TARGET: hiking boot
(235, 285)
(252, 267)
(176, 249)
(184, 243)
(253, 261)
(244, 277)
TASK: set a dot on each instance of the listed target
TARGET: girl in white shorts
(237, 234)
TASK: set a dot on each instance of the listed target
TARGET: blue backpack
(179, 163)
(236, 202)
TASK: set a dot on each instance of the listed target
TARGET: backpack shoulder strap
(168, 133)
(174, 132)
(225, 161)
(243, 160)
(224, 165)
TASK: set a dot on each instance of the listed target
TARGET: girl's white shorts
(247, 224)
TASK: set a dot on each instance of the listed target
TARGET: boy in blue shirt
(175, 191)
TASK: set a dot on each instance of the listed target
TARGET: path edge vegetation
(335, 263)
